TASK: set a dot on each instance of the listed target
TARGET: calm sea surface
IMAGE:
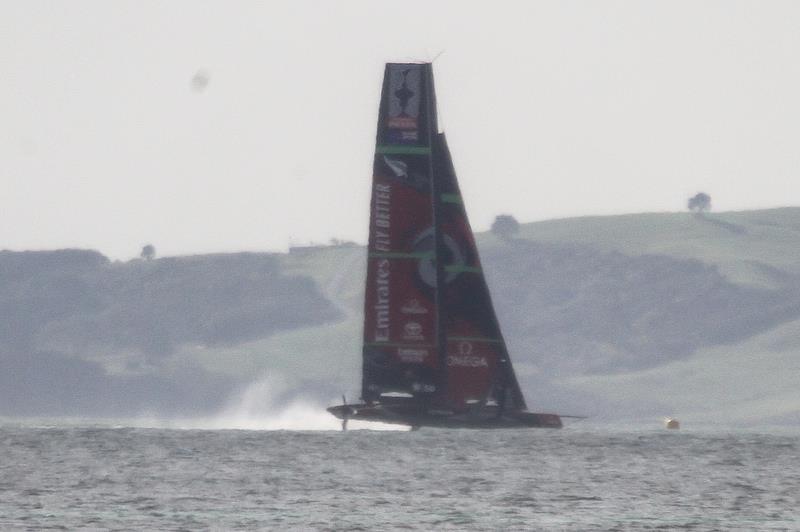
(580, 478)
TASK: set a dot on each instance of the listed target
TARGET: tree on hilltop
(700, 203)
(148, 252)
(505, 226)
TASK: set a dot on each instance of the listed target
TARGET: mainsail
(430, 331)
(401, 305)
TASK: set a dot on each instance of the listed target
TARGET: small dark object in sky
(200, 80)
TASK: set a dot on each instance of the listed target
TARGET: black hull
(486, 418)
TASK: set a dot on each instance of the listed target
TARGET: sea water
(582, 477)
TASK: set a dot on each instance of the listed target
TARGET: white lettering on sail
(413, 306)
(465, 358)
(382, 301)
(382, 202)
(412, 355)
(412, 331)
(382, 195)
(381, 241)
(467, 361)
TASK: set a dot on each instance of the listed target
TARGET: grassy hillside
(619, 317)
(79, 334)
(748, 247)
(753, 382)
(630, 316)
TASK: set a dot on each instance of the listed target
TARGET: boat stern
(536, 419)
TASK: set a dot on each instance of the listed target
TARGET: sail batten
(403, 150)
(474, 339)
(401, 255)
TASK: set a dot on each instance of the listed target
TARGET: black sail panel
(401, 309)
(477, 365)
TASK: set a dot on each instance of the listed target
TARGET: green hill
(619, 317)
(80, 335)
(748, 247)
(588, 304)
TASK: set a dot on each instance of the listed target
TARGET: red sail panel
(400, 307)
(478, 368)
(472, 364)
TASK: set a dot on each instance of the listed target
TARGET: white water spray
(255, 408)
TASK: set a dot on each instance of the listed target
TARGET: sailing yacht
(433, 352)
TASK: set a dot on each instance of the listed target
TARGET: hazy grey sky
(552, 109)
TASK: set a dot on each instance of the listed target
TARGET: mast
(441, 309)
